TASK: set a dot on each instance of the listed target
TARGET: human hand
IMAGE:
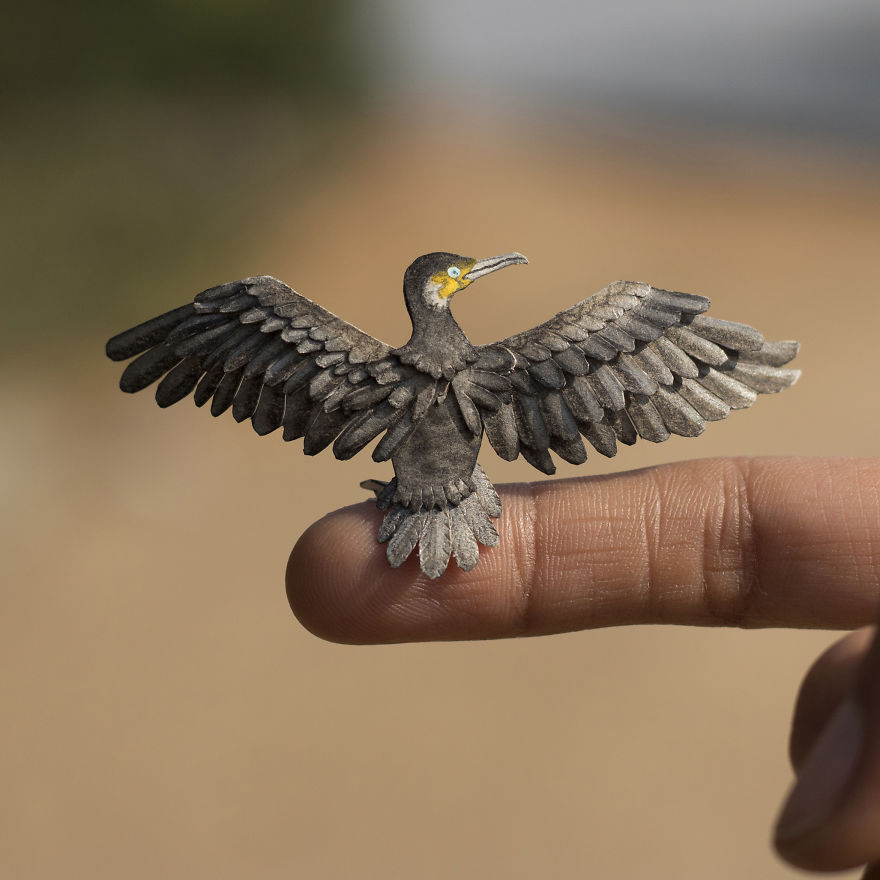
(742, 542)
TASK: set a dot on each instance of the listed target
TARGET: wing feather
(573, 451)
(631, 361)
(280, 360)
(147, 334)
(208, 385)
(148, 367)
(270, 410)
(181, 381)
(501, 431)
(246, 398)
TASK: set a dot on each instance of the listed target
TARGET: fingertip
(341, 588)
(333, 555)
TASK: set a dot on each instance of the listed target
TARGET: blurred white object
(806, 65)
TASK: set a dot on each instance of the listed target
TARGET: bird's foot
(384, 491)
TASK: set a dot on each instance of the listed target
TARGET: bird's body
(630, 361)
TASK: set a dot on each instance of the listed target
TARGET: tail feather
(392, 520)
(441, 533)
(435, 545)
(405, 538)
(486, 493)
(478, 520)
(464, 544)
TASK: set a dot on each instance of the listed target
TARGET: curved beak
(492, 264)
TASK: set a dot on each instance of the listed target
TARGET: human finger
(831, 818)
(825, 686)
(736, 542)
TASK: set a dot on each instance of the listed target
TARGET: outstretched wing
(279, 360)
(631, 361)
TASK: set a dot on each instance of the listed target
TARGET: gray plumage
(630, 361)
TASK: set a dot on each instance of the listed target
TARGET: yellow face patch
(447, 284)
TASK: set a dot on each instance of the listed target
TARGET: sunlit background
(165, 715)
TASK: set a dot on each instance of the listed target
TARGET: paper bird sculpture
(630, 361)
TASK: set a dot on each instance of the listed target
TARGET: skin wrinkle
(713, 552)
(847, 528)
(620, 533)
(652, 523)
(569, 576)
(867, 487)
(831, 502)
(868, 498)
(674, 570)
(525, 562)
(825, 502)
(748, 542)
(772, 493)
(567, 566)
(730, 587)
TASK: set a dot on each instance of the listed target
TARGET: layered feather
(440, 531)
(631, 361)
(281, 361)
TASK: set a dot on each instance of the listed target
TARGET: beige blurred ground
(165, 716)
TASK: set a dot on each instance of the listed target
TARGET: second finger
(824, 688)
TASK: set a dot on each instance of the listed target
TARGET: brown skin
(850, 835)
(721, 542)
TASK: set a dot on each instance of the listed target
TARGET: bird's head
(433, 279)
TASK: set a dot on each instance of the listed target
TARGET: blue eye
(453, 271)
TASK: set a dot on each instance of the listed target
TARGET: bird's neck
(433, 324)
(438, 346)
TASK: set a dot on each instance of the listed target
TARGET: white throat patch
(432, 297)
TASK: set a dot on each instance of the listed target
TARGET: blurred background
(165, 716)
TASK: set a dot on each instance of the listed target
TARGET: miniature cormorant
(630, 361)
